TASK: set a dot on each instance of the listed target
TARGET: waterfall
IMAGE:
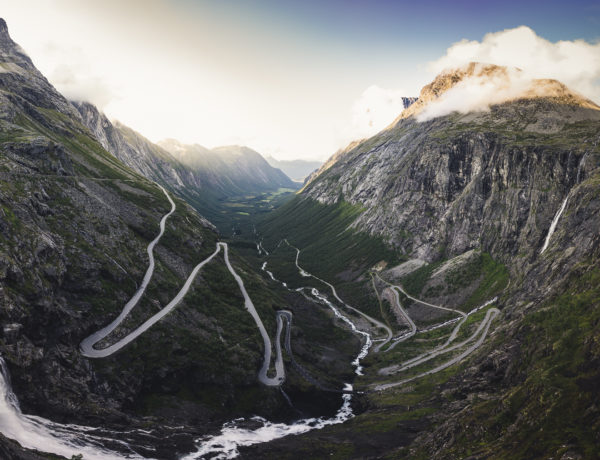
(44, 435)
(581, 164)
(554, 223)
(562, 207)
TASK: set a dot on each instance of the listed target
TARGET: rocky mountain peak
(554, 89)
(237, 151)
(9, 51)
(173, 146)
(180, 150)
(451, 77)
(20, 78)
(489, 84)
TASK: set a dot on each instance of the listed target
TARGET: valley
(429, 292)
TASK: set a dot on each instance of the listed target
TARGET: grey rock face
(408, 101)
(132, 149)
(461, 182)
(22, 83)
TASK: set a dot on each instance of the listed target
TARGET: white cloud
(72, 75)
(477, 92)
(375, 109)
(574, 63)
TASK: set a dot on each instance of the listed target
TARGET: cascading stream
(237, 433)
(45, 435)
(67, 440)
(38, 433)
(560, 211)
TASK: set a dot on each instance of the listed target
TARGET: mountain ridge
(207, 179)
(298, 170)
(513, 188)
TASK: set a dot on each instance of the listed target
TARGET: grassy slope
(329, 248)
(236, 216)
(172, 357)
(555, 408)
(550, 408)
(206, 354)
(490, 277)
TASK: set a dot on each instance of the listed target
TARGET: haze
(288, 79)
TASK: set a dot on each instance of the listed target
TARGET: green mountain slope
(471, 200)
(75, 224)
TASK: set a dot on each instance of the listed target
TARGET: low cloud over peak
(575, 63)
(477, 86)
(522, 64)
(376, 108)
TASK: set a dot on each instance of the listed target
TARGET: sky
(289, 78)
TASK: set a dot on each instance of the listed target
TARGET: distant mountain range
(232, 170)
(297, 170)
(221, 172)
(203, 177)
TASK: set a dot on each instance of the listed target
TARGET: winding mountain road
(87, 346)
(411, 323)
(279, 367)
(397, 288)
(441, 349)
(489, 317)
(372, 320)
(284, 318)
(401, 289)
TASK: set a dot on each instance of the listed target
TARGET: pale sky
(291, 79)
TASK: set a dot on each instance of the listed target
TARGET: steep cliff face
(489, 179)
(519, 180)
(23, 84)
(135, 151)
(204, 178)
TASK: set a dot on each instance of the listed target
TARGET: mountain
(298, 170)
(432, 292)
(408, 101)
(238, 185)
(233, 170)
(496, 206)
(82, 233)
(207, 179)
(418, 184)
(135, 151)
